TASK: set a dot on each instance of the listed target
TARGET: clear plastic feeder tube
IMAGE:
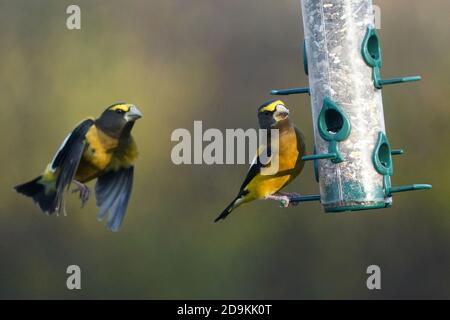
(338, 74)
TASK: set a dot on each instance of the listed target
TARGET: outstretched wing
(112, 192)
(68, 157)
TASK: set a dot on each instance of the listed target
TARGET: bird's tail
(45, 198)
(233, 205)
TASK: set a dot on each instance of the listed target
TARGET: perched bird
(291, 148)
(101, 148)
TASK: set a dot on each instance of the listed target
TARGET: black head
(118, 119)
(272, 113)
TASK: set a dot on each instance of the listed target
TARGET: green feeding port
(371, 49)
(371, 52)
(373, 46)
(382, 160)
(382, 157)
(334, 121)
(334, 126)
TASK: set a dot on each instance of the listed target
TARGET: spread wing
(67, 159)
(112, 192)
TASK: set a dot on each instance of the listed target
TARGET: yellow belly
(103, 154)
(289, 167)
(86, 172)
(262, 186)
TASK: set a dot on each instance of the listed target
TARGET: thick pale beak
(133, 114)
(281, 113)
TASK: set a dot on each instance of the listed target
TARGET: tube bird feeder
(342, 58)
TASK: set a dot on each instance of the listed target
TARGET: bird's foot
(84, 191)
(293, 198)
(285, 201)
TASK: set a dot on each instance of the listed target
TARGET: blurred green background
(212, 60)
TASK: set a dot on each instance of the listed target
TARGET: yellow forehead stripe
(123, 107)
(272, 106)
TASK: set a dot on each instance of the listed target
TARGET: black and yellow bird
(101, 149)
(291, 148)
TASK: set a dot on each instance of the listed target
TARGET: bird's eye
(266, 113)
(120, 111)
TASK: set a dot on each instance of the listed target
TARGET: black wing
(112, 192)
(255, 167)
(68, 157)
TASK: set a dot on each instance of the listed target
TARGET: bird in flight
(101, 149)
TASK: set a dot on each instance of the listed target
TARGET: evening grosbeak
(291, 148)
(101, 149)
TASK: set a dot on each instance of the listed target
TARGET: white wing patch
(255, 159)
(52, 167)
(253, 162)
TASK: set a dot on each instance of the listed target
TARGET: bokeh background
(212, 60)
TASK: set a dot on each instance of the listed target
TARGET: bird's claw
(292, 198)
(284, 199)
(84, 191)
(285, 202)
(287, 199)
